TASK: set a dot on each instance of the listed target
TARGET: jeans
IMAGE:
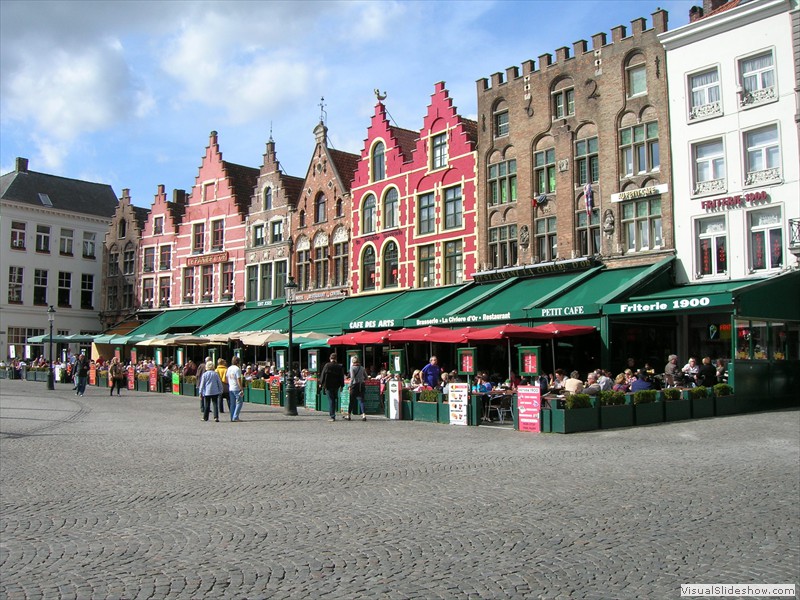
(81, 385)
(207, 402)
(236, 398)
(351, 409)
(333, 401)
(116, 383)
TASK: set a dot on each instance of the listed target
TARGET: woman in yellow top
(222, 369)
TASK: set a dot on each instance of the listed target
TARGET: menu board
(153, 379)
(458, 400)
(529, 404)
(466, 361)
(529, 361)
(310, 392)
(275, 391)
(131, 376)
(176, 383)
(92, 374)
(372, 397)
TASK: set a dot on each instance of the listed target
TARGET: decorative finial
(322, 114)
(270, 132)
(379, 96)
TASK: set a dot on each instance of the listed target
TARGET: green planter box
(648, 413)
(444, 411)
(546, 420)
(4, 373)
(726, 405)
(702, 408)
(408, 410)
(574, 420)
(258, 395)
(142, 386)
(30, 375)
(616, 416)
(188, 389)
(426, 411)
(41, 376)
(677, 410)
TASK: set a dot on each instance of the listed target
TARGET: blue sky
(126, 92)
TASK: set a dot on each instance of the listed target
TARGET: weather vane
(379, 96)
(322, 114)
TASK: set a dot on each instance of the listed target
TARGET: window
(637, 79)
(43, 238)
(303, 269)
(321, 267)
(89, 244)
(378, 162)
(164, 291)
(40, 287)
(158, 225)
(276, 231)
(639, 148)
(439, 151)
(66, 241)
(188, 285)
(112, 297)
(301, 218)
(266, 282)
(18, 339)
(339, 207)
(217, 234)
(368, 215)
(390, 266)
(500, 122)
(340, 263)
(149, 259)
(712, 246)
(763, 160)
(320, 214)
(64, 288)
(427, 214)
(280, 279)
(87, 291)
(766, 239)
(427, 266)
(267, 198)
(588, 229)
(563, 103)
(164, 258)
(758, 79)
(453, 207)
(122, 228)
(128, 259)
(503, 182)
(127, 295)
(368, 269)
(503, 246)
(252, 282)
(207, 282)
(453, 263)
(18, 235)
(587, 161)
(258, 235)
(148, 293)
(227, 280)
(391, 209)
(198, 238)
(15, 285)
(709, 167)
(641, 225)
(704, 95)
(544, 171)
(208, 192)
(113, 262)
(546, 239)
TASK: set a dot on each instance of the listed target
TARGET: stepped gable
(406, 140)
(345, 165)
(243, 179)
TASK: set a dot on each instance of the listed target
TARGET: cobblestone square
(137, 497)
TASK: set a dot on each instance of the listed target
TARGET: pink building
(157, 251)
(413, 195)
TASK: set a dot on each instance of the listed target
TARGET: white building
(51, 236)
(734, 139)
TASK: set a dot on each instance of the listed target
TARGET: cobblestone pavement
(136, 497)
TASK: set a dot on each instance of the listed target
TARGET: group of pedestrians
(215, 385)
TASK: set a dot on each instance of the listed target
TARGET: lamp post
(51, 316)
(290, 403)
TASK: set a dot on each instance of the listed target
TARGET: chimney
(179, 196)
(21, 165)
(660, 20)
(695, 13)
(710, 6)
(126, 194)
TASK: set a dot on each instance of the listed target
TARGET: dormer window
(378, 162)
(268, 198)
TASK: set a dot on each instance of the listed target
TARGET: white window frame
(713, 235)
(769, 154)
(710, 105)
(716, 164)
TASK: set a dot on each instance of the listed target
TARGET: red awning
(415, 334)
(557, 330)
(359, 338)
(502, 332)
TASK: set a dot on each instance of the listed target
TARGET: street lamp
(290, 403)
(51, 316)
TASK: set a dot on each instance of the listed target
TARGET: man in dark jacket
(81, 373)
(332, 379)
(707, 373)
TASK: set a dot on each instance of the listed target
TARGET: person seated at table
(592, 387)
(515, 380)
(481, 385)
(604, 380)
(416, 380)
(707, 373)
(689, 371)
(722, 371)
(621, 383)
(573, 385)
(641, 383)
(556, 385)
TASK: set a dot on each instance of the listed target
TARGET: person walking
(358, 378)
(210, 390)
(235, 388)
(199, 374)
(332, 380)
(222, 369)
(81, 373)
(117, 374)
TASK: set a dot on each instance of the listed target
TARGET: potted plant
(614, 412)
(41, 374)
(258, 391)
(646, 410)
(676, 408)
(426, 405)
(143, 382)
(578, 414)
(702, 403)
(725, 402)
(189, 385)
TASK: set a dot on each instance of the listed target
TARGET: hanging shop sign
(667, 305)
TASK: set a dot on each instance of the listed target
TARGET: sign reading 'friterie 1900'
(207, 259)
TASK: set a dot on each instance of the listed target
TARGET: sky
(127, 92)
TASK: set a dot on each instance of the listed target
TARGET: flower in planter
(258, 384)
(143, 377)
(190, 379)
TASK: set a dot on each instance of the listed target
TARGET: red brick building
(157, 251)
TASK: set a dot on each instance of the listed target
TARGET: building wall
(598, 81)
(159, 231)
(724, 213)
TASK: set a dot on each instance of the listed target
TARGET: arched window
(368, 269)
(267, 198)
(320, 215)
(339, 207)
(390, 266)
(636, 75)
(368, 215)
(378, 162)
(301, 219)
(122, 228)
(391, 209)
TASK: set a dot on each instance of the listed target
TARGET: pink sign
(529, 404)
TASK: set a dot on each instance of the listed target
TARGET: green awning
(683, 298)
(296, 341)
(338, 315)
(314, 344)
(404, 305)
(238, 321)
(448, 312)
(161, 323)
(279, 320)
(201, 317)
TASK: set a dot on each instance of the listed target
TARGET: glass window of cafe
(710, 335)
(767, 340)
